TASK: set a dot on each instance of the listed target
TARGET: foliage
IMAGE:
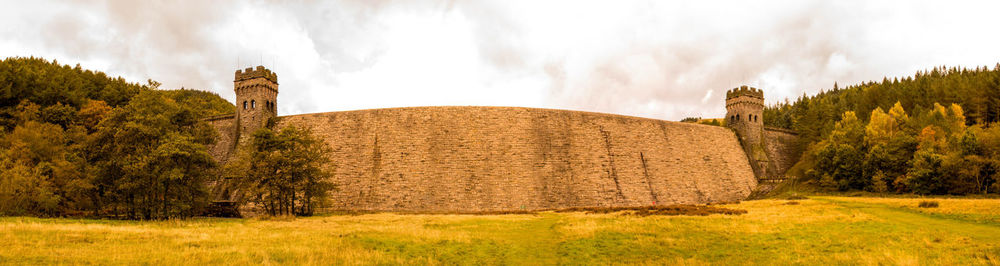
(51, 84)
(32, 162)
(75, 140)
(691, 119)
(39, 172)
(699, 120)
(945, 157)
(978, 90)
(207, 103)
(282, 172)
(928, 204)
(150, 159)
(712, 122)
(941, 149)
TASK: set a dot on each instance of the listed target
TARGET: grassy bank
(818, 230)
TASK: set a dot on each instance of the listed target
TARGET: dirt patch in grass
(670, 210)
(363, 212)
(725, 203)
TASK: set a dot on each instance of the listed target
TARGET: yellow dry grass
(985, 207)
(820, 230)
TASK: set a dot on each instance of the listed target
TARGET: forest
(76, 142)
(933, 133)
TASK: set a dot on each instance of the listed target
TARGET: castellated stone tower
(256, 98)
(744, 108)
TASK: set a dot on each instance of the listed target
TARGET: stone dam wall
(225, 142)
(507, 158)
(783, 149)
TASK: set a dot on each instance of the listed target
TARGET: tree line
(77, 142)
(699, 120)
(934, 133)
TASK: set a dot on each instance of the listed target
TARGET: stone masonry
(256, 97)
(783, 150)
(468, 159)
(506, 158)
(771, 151)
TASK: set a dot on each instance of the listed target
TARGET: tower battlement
(256, 98)
(745, 91)
(259, 72)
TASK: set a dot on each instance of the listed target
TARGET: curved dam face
(505, 158)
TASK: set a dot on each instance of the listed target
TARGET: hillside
(56, 88)
(976, 90)
(75, 141)
(933, 133)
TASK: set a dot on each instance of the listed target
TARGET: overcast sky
(657, 59)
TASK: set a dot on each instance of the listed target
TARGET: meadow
(818, 230)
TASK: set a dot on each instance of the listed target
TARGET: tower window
(253, 104)
(737, 117)
(244, 105)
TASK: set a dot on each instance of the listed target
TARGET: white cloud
(654, 59)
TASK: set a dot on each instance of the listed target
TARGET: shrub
(928, 204)
(796, 197)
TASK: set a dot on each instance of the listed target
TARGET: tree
(949, 100)
(151, 160)
(92, 113)
(970, 168)
(881, 127)
(839, 157)
(68, 143)
(926, 175)
(37, 172)
(282, 172)
(890, 148)
(59, 114)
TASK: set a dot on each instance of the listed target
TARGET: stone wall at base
(225, 144)
(508, 158)
(783, 149)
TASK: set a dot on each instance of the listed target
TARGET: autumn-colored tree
(890, 147)
(839, 157)
(38, 175)
(151, 160)
(282, 172)
(68, 143)
(92, 113)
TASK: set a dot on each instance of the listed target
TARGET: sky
(656, 59)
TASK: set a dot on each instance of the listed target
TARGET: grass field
(820, 230)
